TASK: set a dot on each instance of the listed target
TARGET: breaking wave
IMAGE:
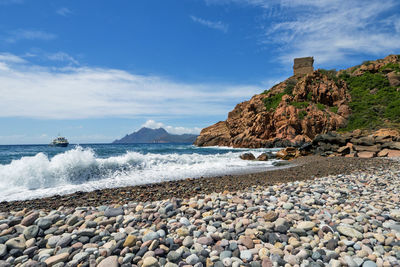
(80, 169)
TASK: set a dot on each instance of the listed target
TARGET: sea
(35, 171)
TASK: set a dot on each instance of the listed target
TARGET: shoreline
(337, 220)
(300, 169)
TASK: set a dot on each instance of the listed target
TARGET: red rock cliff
(313, 104)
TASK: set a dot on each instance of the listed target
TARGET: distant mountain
(147, 135)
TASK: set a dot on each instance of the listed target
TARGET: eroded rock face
(323, 107)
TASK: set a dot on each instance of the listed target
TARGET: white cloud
(18, 35)
(10, 58)
(329, 30)
(64, 11)
(34, 91)
(171, 129)
(217, 25)
(64, 57)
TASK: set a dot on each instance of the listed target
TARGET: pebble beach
(348, 218)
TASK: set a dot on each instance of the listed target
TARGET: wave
(80, 169)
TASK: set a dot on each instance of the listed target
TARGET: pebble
(350, 220)
(111, 261)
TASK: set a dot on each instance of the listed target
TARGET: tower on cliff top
(303, 65)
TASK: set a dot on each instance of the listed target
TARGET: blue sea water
(32, 171)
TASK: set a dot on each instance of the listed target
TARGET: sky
(95, 70)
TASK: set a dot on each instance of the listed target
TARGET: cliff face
(293, 111)
(316, 104)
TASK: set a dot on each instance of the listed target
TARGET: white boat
(60, 141)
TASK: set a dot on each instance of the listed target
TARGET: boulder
(393, 153)
(344, 150)
(394, 78)
(364, 141)
(383, 152)
(263, 157)
(373, 148)
(366, 154)
(288, 153)
(247, 156)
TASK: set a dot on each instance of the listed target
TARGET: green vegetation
(290, 84)
(300, 104)
(302, 114)
(320, 106)
(272, 102)
(393, 66)
(334, 109)
(366, 63)
(309, 96)
(332, 74)
(371, 109)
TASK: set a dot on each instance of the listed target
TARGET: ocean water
(33, 171)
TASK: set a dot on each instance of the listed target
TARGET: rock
(192, 259)
(16, 243)
(251, 124)
(247, 156)
(225, 254)
(344, 150)
(366, 154)
(44, 223)
(394, 79)
(184, 221)
(287, 206)
(3, 250)
(306, 225)
(62, 257)
(270, 216)
(31, 231)
(72, 220)
(288, 153)
(150, 236)
(350, 232)
(64, 241)
(173, 256)
(188, 241)
(350, 262)
(246, 255)
(369, 264)
(246, 241)
(395, 214)
(263, 157)
(150, 262)
(204, 240)
(383, 152)
(113, 212)
(52, 241)
(266, 262)
(111, 261)
(130, 241)
(30, 219)
(81, 256)
(393, 153)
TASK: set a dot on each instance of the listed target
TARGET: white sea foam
(81, 170)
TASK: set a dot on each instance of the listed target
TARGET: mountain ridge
(160, 135)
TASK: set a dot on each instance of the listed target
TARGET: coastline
(300, 169)
(336, 220)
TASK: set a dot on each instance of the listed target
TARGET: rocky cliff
(297, 109)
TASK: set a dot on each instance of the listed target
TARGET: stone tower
(303, 65)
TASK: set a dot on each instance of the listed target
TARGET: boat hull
(60, 145)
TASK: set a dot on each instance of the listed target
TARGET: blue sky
(97, 70)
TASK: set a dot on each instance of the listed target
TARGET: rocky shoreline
(348, 217)
(301, 169)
